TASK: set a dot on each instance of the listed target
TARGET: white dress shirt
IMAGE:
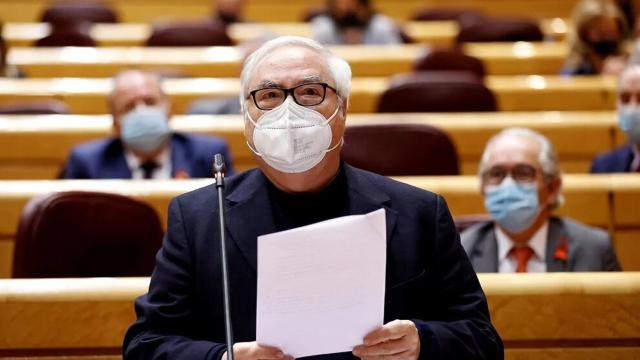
(537, 263)
(163, 171)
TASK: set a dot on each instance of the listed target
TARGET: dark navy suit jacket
(429, 278)
(618, 160)
(191, 155)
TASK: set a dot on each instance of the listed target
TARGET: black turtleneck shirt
(295, 210)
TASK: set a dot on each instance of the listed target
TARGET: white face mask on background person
(145, 128)
(292, 138)
(629, 122)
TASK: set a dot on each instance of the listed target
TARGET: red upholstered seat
(79, 11)
(34, 107)
(437, 91)
(86, 234)
(400, 149)
(189, 33)
(444, 59)
(67, 36)
(441, 14)
(476, 28)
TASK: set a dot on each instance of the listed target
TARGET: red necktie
(522, 255)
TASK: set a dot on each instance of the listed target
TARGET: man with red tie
(521, 185)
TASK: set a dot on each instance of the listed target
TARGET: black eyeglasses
(310, 94)
(522, 173)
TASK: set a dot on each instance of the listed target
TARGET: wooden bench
(366, 60)
(591, 199)
(292, 10)
(135, 34)
(562, 316)
(35, 147)
(513, 93)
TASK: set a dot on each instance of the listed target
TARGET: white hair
(338, 67)
(547, 156)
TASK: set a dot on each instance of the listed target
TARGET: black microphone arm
(218, 173)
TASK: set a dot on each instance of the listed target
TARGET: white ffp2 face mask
(292, 138)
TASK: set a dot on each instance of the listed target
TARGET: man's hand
(398, 340)
(253, 351)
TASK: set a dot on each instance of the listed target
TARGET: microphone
(218, 173)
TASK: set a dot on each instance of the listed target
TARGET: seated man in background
(144, 146)
(354, 22)
(521, 184)
(627, 157)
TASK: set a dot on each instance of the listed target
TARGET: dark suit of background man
(626, 158)
(521, 186)
(143, 146)
(295, 96)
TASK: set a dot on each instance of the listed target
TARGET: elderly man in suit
(295, 95)
(521, 186)
(143, 147)
(626, 158)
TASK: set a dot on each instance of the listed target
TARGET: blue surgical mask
(145, 128)
(514, 206)
(629, 122)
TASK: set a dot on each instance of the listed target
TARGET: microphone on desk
(218, 174)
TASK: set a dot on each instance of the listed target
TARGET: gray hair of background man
(339, 68)
(547, 157)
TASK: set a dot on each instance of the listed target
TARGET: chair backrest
(437, 91)
(78, 11)
(449, 60)
(34, 107)
(474, 28)
(86, 234)
(66, 38)
(400, 149)
(442, 13)
(189, 33)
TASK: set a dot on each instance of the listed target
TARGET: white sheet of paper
(321, 287)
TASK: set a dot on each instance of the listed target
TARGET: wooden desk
(513, 93)
(135, 34)
(587, 199)
(291, 10)
(542, 316)
(499, 59)
(35, 147)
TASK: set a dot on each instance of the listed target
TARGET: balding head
(629, 86)
(132, 88)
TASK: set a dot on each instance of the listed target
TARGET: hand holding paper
(398, 339)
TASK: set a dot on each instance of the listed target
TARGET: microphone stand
(218, 173)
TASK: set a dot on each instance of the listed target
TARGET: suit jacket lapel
(484, 254)
(365, 197)
(249, 215)
(556, 238)
(179, 158)
(115, 165)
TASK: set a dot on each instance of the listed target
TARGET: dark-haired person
(354, 22)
